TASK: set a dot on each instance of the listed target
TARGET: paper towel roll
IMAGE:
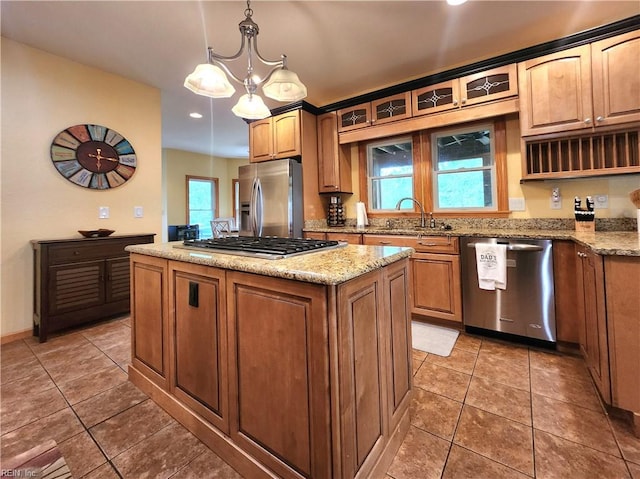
(361, 215)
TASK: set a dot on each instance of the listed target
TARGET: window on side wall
(389, 173)
(202, 202)
(464, 169)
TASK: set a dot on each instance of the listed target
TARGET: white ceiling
(339, 49)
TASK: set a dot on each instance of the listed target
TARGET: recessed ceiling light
(456, 2)
(195, 115)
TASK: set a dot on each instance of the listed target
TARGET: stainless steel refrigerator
(271, 199)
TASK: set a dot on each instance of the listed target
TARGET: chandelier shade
(211, 79)
(284, 85)
(251, 107)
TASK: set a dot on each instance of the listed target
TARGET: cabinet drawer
(351, 238)
(427, 244)
(80, 251)
(85, 250)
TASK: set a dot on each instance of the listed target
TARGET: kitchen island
(292, 368)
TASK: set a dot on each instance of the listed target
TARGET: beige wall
(178, 164)
(43, 94)
(537, 194)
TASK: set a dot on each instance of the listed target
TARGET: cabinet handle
(464, 100)
(384, 242)
(599, 119)
(455, 102)
(421, 243)
(76, 253)
(587, 120)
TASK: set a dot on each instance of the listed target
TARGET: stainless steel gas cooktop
(269, 247)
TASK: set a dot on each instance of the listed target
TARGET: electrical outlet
(600, 201)
(103, 212)
(556, 199)
(138, 212)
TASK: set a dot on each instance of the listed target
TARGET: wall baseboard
(9, 338)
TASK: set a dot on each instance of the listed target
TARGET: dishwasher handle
(514, 247)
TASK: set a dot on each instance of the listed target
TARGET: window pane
(202, 205)
(388, 191)
(467, 189)
(464, 170)
(200, 194)
(464, 150)
(390, 173)
(391, 159)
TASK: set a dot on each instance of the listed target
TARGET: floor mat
(433, 339)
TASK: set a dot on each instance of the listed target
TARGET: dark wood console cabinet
(80, 280)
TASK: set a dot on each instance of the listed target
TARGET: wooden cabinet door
(354, 117)
(623, 311)
(286, 135)
(200, 348)
(565, 291)
(399, 371)
(362, 364)
(555, 92)
(260, 140)
(593, 321)
(117, 279)
(334, 160)
(328, 167)
(501, 82)
(149, 317)
(76, 286)
(616, 79)
(391, 108)
(436, 98)
(280, 414)
(436, 290)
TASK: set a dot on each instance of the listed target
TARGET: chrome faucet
(423, 224)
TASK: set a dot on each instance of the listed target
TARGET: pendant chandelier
(210, 79)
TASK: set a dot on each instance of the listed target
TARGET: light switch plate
(138, 212)
(600, 201)
(103, 212)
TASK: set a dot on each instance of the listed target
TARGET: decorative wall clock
(93, 156)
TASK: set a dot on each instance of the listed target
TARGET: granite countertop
(328, 267)
(620, 243)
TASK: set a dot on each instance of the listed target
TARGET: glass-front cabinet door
(435, 98)
(489, 85)
(391, 108)
(354, 117)
(501, 82)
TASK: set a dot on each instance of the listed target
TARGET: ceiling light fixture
(456, 2)
(209, 79)
(195, 115)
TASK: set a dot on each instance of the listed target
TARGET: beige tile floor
(490, 410)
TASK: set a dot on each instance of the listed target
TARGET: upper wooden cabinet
(275, 137)
(469, 90)
(615, 68)
(334, 160)
(377, 112)
(581, 88)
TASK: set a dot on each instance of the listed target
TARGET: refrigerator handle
(258, 208)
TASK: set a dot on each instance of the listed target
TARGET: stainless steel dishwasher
(526, 307)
